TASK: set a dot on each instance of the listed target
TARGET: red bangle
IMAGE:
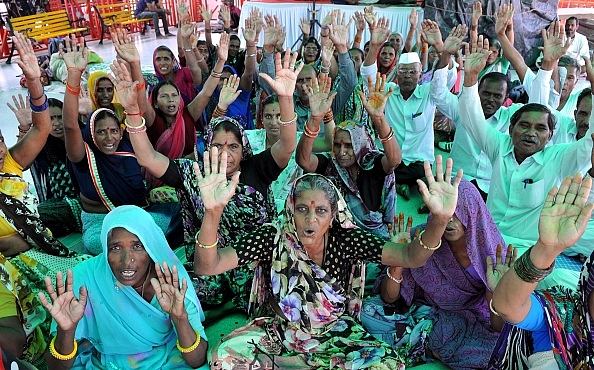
(133, 114)
(140, 86)
(72, 90)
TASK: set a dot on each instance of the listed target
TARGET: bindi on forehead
(313, 204)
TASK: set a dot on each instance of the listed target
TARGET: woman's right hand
(215, 189)
(28, 61)
(320, 98)
(223, 49)
(76, 55)
(440, 194)
(65, 308)
(124, 45)
(22, 111)
(207, 14)
(286, 75)
(378, 97)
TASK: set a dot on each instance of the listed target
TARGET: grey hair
(317, 182)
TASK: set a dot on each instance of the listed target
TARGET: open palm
(502, 264)
(565, 214)
(453, 42)
(286, 74)
(376, 103)
(28, 60)
(64, 307)
(320, 98)
(440, 194)
(555, 44)
(215, 189)
(168, 290)
(125, 87)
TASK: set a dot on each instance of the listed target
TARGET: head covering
(117, 175)
(172, 141)
(134, 322)
(383, 70)
(408, 58)
(366, 154)
(482, 238)
(211, 128)
(176, 66)
(93, 83)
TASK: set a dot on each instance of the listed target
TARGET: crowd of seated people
(275, 178)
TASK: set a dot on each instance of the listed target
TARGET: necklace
(144, 283)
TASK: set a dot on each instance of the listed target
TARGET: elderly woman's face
(310, 52)
(343, 149)
(454, 230)
(127, 257)
(226, 141)
(396, 40)
(313, 216)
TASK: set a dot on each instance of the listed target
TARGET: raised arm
(75, 56)
(504, 19)
(440, 195)
(207, 17)
(186, 31)
(154, 162)
(339, 34)
(375, 106)
(360, 25)
(196, 106)
(26, 150)
(216, 191)
(284, 86)
(562, 222)
(127, 51)
(320, 101)
(431, 35)
(477, 13)
(380, 31)
(413, 20)
(250, 32)
(22, 113)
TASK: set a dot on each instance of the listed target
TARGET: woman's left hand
(496, 270)
(169, 292)
(229, 92)
(439, 194)
(125, 87)
(22, 111)
(286, 74)
(85, 105)
(320, 98)
(215, 189)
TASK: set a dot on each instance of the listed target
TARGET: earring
(132, 259)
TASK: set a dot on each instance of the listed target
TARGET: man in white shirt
(523, 168)
(579, 43)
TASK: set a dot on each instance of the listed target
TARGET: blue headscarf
(116, 314)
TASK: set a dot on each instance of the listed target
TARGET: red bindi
(341, 142)
(313, 204)
(225, 144)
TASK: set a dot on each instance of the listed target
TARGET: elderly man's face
(530, 134)
(408, 76)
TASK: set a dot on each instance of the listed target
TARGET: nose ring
(132, 260)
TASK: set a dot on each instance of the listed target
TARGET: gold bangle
(200, 245)
(135, 127)
(59, 356)
(387, 138)
(190, 348)
(426, 247)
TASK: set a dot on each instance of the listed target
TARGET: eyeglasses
(408, 72)
(311, 48)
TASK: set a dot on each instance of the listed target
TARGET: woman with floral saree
(311, 272)
(251, 206)
(558, 319)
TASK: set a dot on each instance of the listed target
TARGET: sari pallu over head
(482, 238)
(93, 85)
(135, 326)
(570, 328)
(310, 298)
(246, 210)
(187, 93)
(366, 153)
(116, 178)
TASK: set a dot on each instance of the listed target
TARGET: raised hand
(249, 32)
(413, 18)
(225, 14)
(589, 70)
(64, 307)
(286, 74)
(495, 270)
(207, 14)
(187, 27)
(271, 33)
(304, 26)
(85, 105)
(223, 49)
(124, 45)
(229, 92)
(453, 42)
(28, 61)
(327, 21)
(477, 12)
(555, 44)
(125, 87)
(504, 18)
(169, 292)
(215, 189)
(376, 104)
(320, 98)
(194, 39)
(359, 22)
(75, 55)
(477, 52)
(21, 111)
(339, 31)
(369, 15)
(282, 36)
(327, 52)
(182, 8)
(258, 23)
(565, 214)
(431, 34)
(440, 194)
(380, 31)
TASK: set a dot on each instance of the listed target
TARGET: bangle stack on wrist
(387, 138)
(218, 112)
(39, 108)
(425, 246)
(328, 117)
(529, 273)
(216, 74)
(309, 133)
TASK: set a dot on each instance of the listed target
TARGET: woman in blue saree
(128, 294)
